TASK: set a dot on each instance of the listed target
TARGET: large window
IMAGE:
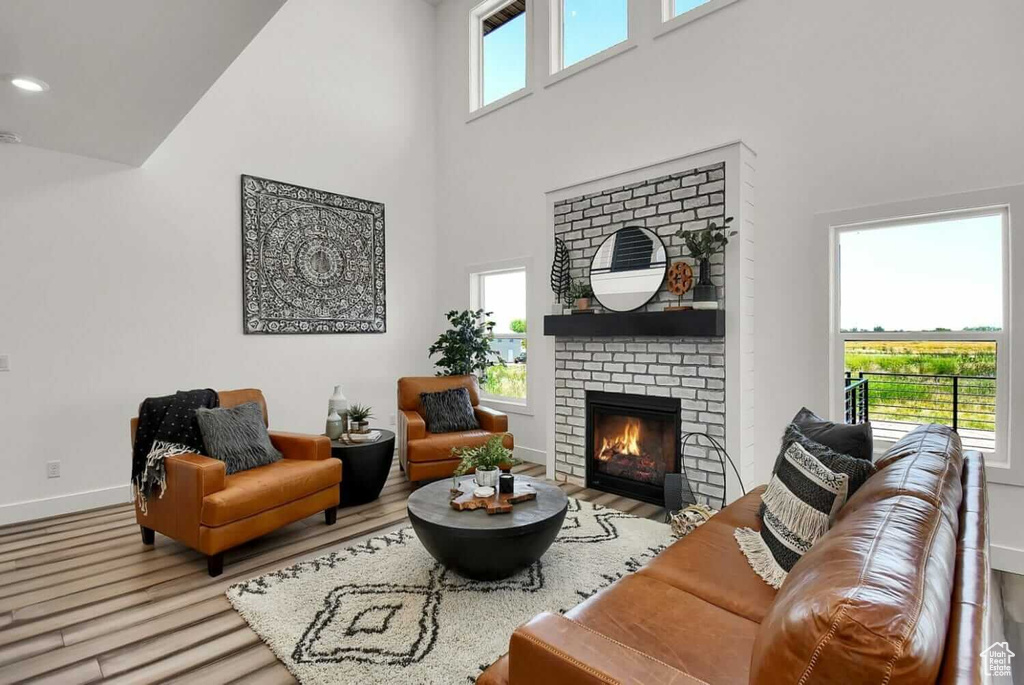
(503, 293)
(920, 323)
(683, 6)
(583, 28)
(499, 39)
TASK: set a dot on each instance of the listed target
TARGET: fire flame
(626, 443)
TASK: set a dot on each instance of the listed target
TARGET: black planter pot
(704, 291)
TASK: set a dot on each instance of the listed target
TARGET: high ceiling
(122, 73)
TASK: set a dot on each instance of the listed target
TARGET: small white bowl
(483, 492)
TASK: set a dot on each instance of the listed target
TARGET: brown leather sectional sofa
(896, 592)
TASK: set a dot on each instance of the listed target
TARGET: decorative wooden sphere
(680, 278)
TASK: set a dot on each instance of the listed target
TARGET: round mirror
(628, 269)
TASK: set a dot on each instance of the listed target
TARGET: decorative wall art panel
(312, 261)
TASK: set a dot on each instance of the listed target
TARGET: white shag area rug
(386, 612)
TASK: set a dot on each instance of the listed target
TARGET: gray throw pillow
(237, 437)
(449, 411)
(853, 439)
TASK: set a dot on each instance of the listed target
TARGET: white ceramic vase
(338, 404)
(487, 478)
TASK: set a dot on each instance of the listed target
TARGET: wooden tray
(498, 503)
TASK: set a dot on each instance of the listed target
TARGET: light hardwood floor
(82, 599)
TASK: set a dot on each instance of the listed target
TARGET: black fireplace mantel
(709, 323)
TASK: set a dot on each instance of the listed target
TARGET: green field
(923, 389)
(506, 381)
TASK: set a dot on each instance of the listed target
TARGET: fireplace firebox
(632, 442)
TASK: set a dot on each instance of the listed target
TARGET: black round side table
(364, 467)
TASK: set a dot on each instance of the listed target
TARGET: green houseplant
(580, 292)
(487, 459)
(359, 414)
(702, 244)
(465, 348)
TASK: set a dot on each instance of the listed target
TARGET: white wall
(846, 104)
(117, 283)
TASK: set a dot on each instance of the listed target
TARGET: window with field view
(921, 309)
(503, 294)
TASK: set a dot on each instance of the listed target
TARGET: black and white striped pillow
(802, 500)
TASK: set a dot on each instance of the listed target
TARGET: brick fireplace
(632, 442)
(622, 400)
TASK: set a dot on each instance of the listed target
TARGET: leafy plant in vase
(359, 415)
(580, 292)
(465, 348)
(702, 244)
(487, 459)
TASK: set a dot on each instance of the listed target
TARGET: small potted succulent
(487, 459)
(358, 416)
(580, 292)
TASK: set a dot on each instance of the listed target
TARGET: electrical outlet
(53, 469)
(5, 362)
(393, 420)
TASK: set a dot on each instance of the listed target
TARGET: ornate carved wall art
(312, 261)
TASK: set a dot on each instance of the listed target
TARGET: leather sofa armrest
(301, 446)
(491, 420)
(554, 649)
(176, 511)
(194, 474)
(415, 426)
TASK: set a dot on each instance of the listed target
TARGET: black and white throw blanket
(167, 426)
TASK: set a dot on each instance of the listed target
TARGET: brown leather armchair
(427, 456)
(210, 511)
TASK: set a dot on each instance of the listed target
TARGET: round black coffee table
(364, 467)
(486, 546)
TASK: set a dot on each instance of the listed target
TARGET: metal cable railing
(953, 400)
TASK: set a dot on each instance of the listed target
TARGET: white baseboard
(63, 504)
(1007, 559)
(531, 455)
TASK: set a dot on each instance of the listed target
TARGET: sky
(590, 26)
(919, 277)
(504, 294)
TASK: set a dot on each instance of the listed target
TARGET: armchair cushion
(257, 490)
(438, 446)
(448, 411)
(237, 436)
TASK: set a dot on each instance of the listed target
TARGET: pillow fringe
(798, 516)
(760, 557)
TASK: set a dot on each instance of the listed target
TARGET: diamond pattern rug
(385, 612)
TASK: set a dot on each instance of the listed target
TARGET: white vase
(487, 478)
(338, 404)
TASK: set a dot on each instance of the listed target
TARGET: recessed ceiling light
(8, 137)
(32, 85)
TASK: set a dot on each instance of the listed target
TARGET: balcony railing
(961, 402)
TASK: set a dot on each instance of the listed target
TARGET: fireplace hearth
(632, 442)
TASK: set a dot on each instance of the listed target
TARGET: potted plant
(465, 348)
(580, 292)
(487, 459)
(702, 244)
(359, 414)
